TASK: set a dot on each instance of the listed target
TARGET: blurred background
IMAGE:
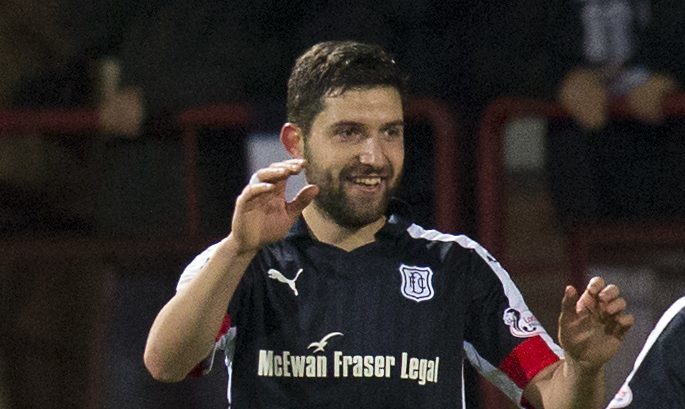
(549, 130)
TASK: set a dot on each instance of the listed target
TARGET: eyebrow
(342, 124)
(391, 124)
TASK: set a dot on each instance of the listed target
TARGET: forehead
(373, 106)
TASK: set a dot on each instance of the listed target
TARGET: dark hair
(333, 67)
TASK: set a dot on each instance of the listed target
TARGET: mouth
(369, 184)
(367, 181)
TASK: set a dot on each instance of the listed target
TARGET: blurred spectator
(39, 177)
(585, 54)
(58, 55)
(32, 39)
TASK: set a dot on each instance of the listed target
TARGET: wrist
(231, 247)
(583, 370)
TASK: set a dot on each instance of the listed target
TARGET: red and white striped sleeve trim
(203, 367)
(527, 360)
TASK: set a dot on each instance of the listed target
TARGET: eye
(394, 132)
(349, 133)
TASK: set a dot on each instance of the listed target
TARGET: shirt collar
(394, 227)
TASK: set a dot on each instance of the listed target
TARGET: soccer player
(334, 300)
(658, 376)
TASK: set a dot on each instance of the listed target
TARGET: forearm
(568, 386)
(184, 330)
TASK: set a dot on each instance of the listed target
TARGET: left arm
(591, 329)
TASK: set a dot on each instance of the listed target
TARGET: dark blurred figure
(41, 179)
(585, 54)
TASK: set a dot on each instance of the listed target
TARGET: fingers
(605, 303)
(589, 300)
(271, 180)
(595, 285)
(255, 190)
(601, 299)
(568, 303)
(303, 198)
(279, 171)
(624, 322)
(619, 325)
(614, 307)
(608, 293)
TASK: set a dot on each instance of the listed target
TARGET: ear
(292, 139)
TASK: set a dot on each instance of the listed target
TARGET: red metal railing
(72, 121)
(191, 121)
(447, 159)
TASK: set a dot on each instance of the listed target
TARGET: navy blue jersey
(386, 325)
(658, 376)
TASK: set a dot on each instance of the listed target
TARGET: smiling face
(355, 154)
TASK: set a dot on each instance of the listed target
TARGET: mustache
(367, 170)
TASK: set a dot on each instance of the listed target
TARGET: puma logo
(319, 346)
(278, 276)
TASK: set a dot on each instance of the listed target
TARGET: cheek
(324, 168)
(396, 158)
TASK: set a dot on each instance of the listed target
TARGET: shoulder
(280, 250)
(196, 265)
(671, 326)
(453, 242)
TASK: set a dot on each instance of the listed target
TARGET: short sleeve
(193, 269)
(503, 339)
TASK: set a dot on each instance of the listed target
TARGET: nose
(371, 152)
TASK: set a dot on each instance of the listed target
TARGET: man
(658, 375)
(333, 304)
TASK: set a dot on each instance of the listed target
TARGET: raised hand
(592, 327)
(646, 100)
(262, 214)
(583, 96)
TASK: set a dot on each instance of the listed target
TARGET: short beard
(336, 204)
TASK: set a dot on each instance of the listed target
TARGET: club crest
(417, 283)
(521, 324)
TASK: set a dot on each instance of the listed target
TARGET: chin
(360, 216)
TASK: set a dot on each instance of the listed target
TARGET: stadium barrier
(583, 238)
(85, 123)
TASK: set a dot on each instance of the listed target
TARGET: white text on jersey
(288, 365)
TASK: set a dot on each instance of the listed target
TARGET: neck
(326, 230)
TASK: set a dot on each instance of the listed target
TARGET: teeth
(368, 181)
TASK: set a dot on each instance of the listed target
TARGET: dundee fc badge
(417, 283)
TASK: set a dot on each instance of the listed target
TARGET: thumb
(568, 303)
(302, 199)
